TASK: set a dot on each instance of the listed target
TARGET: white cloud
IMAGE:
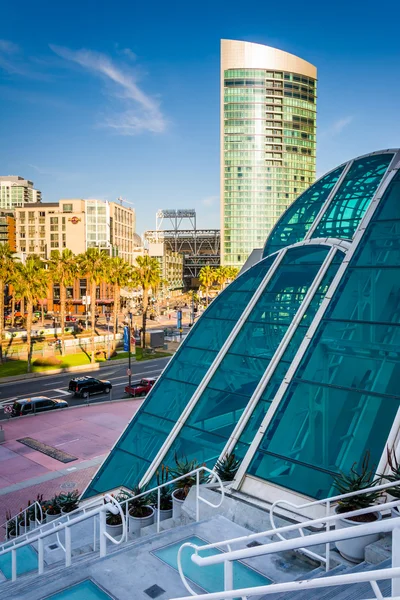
(337, 126)
(143, 112)
(210, 201)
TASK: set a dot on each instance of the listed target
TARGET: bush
(50, 361)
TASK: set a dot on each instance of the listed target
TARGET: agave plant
(183, 466)
(355, 481)
(139, 507)
(69, 501)
(165, 491)
(227, 467)
(394, 475)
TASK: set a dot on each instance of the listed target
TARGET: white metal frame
(302, 543)
(212, 369)
(239, 480)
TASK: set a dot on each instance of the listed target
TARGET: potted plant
(165, 507)
(10, 526)
(357, 480)
(141, 513)
(68, 502)
(23, 523)
(53, 510)
(182, 487)
(393, 476)
(227, 467)
(34, 513)
(114, 522)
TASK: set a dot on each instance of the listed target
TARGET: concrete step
(164, 526)
(379, 551)
(318, 572)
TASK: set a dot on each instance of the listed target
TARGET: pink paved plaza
(87, 432)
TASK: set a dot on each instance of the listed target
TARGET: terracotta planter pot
(354, 549)
(136, 523)
(114, 530)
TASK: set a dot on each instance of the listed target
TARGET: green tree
(7, 267)
(146, 274)
(232, 273)
(207, 278)
(119, 274)
(222, 276)
(32, 281)
(63, 269)
(93, 266)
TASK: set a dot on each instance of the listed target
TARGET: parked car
(86, 386)
(142, 387)
(70, 318)
(28, 406)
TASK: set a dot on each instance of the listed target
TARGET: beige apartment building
(76, 224)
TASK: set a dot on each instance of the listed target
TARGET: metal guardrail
(97, 510)
(302, 543)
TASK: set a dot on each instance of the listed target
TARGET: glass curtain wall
(344, 396)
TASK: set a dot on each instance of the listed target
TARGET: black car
(86, 386)
(37, 404)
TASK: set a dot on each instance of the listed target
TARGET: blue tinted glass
(297, 220)
(254, 422)
(149, 428)
(239, 374)
(390, 208)
(344, 396)
(350, 202)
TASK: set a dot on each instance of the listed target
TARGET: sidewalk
(86, 432)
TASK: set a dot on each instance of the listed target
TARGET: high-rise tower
(268, 141)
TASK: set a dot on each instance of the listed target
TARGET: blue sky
(106, 99)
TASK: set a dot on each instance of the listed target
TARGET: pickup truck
(142, 387)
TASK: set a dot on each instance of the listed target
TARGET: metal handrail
(227, 558)
(25, 512)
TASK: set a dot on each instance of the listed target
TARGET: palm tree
(93, 265)
(222, 276)
(207, 277)
(63, 268)
(119, 274)
(7, 265)
(146, 274)
(232, 273)
(32, 280)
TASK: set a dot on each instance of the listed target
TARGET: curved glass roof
(330, 211)
(295, 365)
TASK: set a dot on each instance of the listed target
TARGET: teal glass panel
(382, 246)
(151, 425)
(292, 227)
(212, 336)
(178, 394)
(350, 202)
(389, 209)
(368, 294)
(191, 366)
(123, 469)
(367, 356)
(239, 374)
(218, 411)
(293, 475)
(344, 396)
(254, 422)
(319, 426)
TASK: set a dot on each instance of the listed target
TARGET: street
(56, 386)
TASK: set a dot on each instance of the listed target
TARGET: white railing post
(228, 575)
(328, 546)
(13, 565)
(102, 531)
(197, 496)
(68, 549)
(94, 533)
(40, 556)
(396, 559)
(158, 509)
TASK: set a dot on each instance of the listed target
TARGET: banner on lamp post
(126, 338)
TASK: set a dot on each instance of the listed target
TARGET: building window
(67, 208)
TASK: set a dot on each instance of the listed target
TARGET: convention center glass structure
(295, 366)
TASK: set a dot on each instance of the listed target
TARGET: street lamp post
(108, 335)
(129, 350)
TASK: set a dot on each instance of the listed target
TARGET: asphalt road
(56, 386)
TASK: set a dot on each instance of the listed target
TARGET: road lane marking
(60, 391)
(53, 383)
